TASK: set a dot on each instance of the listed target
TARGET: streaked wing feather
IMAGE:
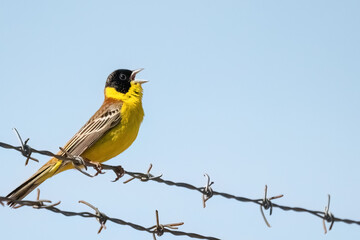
(106, 118)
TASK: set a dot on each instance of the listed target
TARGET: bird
(109, 132)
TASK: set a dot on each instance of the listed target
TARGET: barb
(266, 204)
(144, 177)
(102, 218)
(77, 162)
(159, 229)
(38, 203)
(328, 216)
(263, 203)
(207, 191)
(25, 149)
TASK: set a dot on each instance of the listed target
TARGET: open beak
(133, 75)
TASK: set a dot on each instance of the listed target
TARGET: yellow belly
(119, 138)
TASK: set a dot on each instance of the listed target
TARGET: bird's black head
(120, 80)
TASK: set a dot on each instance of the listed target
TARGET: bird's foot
(119, 171)
(98, 167)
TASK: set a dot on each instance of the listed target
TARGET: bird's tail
(45, 172)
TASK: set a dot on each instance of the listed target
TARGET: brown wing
(107, 117)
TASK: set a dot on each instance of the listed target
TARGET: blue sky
(250, 92)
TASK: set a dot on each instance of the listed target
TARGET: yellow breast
(119, 138)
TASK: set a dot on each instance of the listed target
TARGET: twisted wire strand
(39, 205)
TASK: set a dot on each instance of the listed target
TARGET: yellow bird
(109, 132)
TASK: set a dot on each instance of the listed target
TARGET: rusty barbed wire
(157, 229)
(207, 192)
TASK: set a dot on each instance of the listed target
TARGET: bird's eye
(122, 76)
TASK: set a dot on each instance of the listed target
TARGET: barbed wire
(158, 229)
(207, 191)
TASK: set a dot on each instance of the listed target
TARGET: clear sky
(250, 92)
